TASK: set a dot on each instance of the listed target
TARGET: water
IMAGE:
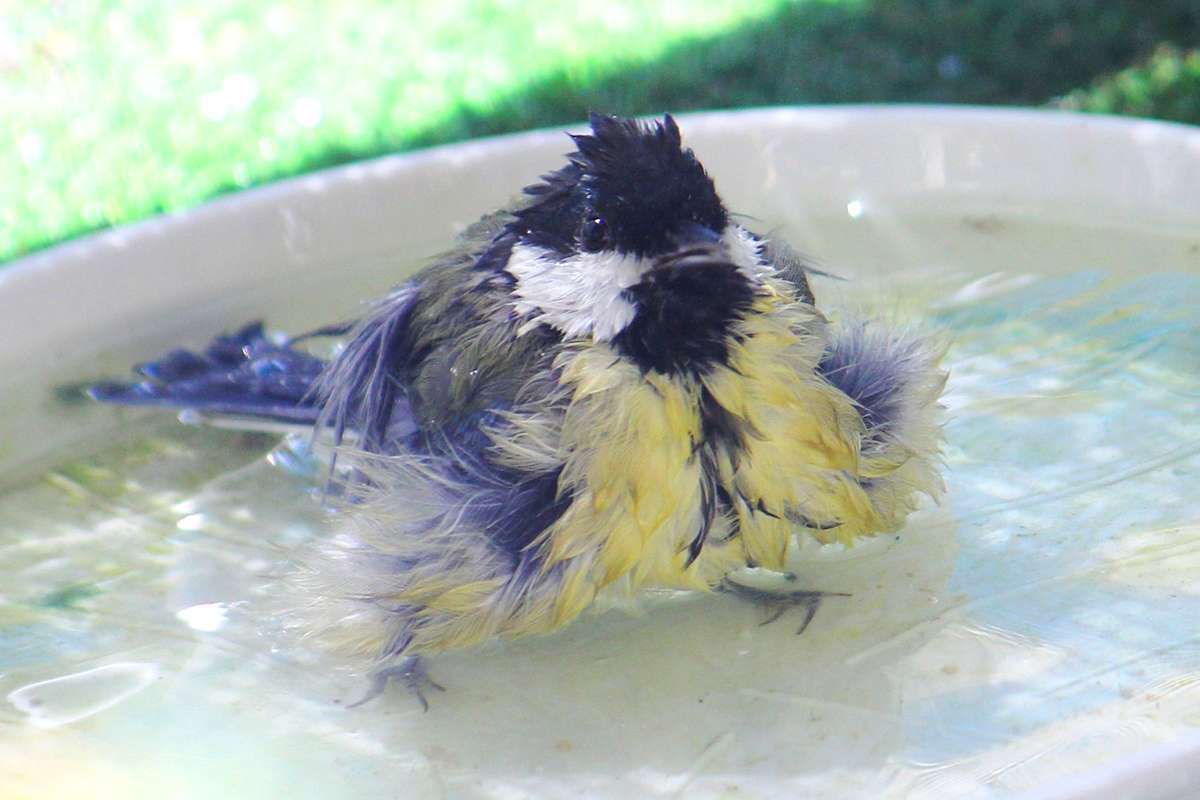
(1040, 621)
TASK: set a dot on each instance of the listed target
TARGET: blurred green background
(114, 111)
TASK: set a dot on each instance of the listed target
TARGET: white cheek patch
(582, 295)
(747, 252)
(579, 295)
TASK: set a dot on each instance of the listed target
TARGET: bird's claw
(411, 672)
(777, 603)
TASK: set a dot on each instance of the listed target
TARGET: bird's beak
(695, 246)
(693, 234)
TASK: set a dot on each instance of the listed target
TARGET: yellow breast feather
(633, 459)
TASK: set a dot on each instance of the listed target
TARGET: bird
(609, 385)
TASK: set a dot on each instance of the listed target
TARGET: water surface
(1038, 622)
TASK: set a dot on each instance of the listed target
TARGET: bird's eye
(593, 234)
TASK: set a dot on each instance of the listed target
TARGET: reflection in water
(1039, 621)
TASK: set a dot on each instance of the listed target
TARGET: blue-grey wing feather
(249, 377)
(243, 374)
(428, 371)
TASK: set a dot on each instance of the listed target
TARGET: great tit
(609, 385)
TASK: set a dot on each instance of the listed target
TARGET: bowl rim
(128, 233)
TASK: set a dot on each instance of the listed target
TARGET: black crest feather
(635, 177)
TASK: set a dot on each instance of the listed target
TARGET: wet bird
(609, 385)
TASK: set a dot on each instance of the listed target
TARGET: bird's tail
(244, 379)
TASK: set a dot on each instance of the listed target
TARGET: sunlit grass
(114, 111)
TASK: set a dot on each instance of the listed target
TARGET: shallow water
(1040, 621)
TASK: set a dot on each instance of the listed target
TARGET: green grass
(125, 109)
(1167, 86)
(116, 111)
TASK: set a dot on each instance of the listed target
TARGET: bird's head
(632, 225)
(631, 189)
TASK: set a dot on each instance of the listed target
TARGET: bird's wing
(248, 380)
(894, 378)
(456, 471)
(433, 359)
(789, 265)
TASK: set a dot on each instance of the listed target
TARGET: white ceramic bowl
(839, 181)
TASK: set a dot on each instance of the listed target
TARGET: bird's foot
(409, 671)
(777, 603)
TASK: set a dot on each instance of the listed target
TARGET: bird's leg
(409, 671)
(777, 603)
